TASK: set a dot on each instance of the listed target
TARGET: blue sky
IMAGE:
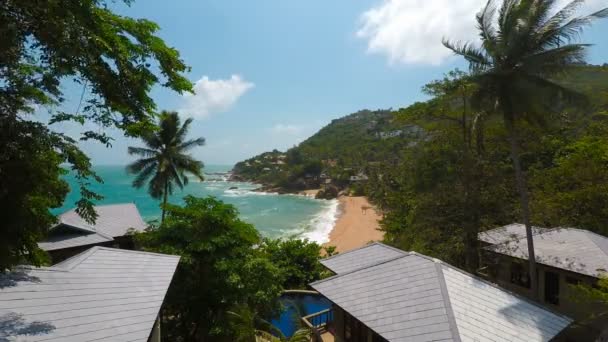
(270, 73)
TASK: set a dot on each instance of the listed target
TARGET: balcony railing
(320, 323)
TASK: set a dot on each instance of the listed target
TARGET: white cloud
(286, 129)
(214, 96)
(410, 31)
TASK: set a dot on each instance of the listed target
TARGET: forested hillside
(360, 142)
(345, 147)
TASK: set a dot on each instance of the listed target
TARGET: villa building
(380, 294)
(103, 294)
(73, 235)
(565, 257)
(360, 177)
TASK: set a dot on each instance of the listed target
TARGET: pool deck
(327, 337)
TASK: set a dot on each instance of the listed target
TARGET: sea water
(275, 216)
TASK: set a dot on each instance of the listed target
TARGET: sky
(269, 73)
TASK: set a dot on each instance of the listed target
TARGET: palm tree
(522, 48)
(248, 326)
(164, 162)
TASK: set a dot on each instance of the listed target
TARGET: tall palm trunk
(165, 200)
(520, 181)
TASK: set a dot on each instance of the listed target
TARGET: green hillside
(355, 143)
(345, 147)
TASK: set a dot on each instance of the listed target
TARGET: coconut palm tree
(523, 47)
(164, 161)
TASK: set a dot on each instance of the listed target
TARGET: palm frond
(169, 126)
(302, 335)
(560, 30)
(183, 131)
(142, 151)
(475, 56)
(485, 24)
(175, 176)
(152, 140)
(156, 186)
(562, 15)
(192, 143)
(144, 175)
(555, 60)
(507, 20)
(190, 165)
(139, 165)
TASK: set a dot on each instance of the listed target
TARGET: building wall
(60, 255)
(359, 332)
(499, 271)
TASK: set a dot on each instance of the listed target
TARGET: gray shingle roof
(416, 298)
(361, 257)
(112, 221)
(101, 294)
(507, 233)
(575, 250)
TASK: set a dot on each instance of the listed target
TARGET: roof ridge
(445, 295)
(352, 250)
(375, 243)
(593, 234)
(360, 269)
(78, 257)
(137, 252)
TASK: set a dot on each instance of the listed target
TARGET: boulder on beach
(329, 192)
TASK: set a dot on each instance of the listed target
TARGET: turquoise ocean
(275, 216)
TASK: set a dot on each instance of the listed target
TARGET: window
(520, 275)
(552, 287)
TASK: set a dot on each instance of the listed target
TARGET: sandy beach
(356, 226)
(309, 193)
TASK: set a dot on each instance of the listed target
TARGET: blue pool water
(297, 306)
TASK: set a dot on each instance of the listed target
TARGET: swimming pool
(296, 306)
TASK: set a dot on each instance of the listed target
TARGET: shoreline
(355, 221)
(356, 226)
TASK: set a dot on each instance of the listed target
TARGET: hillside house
(390, 134)
(73, 235)
(565, 257)
(381, 294)
(102, 294)
(360, 177)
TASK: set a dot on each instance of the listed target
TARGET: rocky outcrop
(327, 193)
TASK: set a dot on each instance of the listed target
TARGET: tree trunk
(520, 181)
(165, 194)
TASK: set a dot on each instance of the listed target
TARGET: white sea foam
(246, 192)
(323, 223)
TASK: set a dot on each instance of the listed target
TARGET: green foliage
(164, 162)
(228, 279)
(43, 45)
(458, 181)
(573, 191)
(298, 259)
(524, 46)
(449, 186)
(339, 150)
(219, 269)
(594, 294)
